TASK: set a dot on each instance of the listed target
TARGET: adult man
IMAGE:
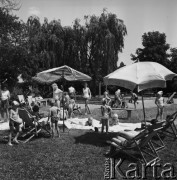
(57, 94)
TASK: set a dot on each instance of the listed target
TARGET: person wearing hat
(159, 101)
(14, 123)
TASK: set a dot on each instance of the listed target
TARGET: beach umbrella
(140, 76)
(52, 75)
(64, 72)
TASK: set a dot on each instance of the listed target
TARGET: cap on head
(160, 93)
(115, 116)
(15, 103)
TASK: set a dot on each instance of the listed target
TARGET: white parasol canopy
(143, 75)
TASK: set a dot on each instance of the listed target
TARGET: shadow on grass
(94, 138)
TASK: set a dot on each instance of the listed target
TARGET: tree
(105, 39)
(155, 49)
(10, 5)
(12, 40)
(121, 65)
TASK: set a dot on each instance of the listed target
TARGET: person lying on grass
(14, 123)
(54, 117)
(106, 114)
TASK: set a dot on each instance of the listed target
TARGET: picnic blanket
(77, 123)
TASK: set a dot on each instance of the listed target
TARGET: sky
(139, 16)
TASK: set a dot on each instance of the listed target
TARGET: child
(71, 106)
(159, 101)
(14, 123)
(53, 115)
(66, 100)
(134, 98)
(115, 119)
(124, 103)
(106, 113)
(107, 98)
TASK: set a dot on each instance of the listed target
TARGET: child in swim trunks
(159, 101)
(106, 114)
(54, 116)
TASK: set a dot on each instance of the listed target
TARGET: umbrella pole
(143, 110)
(63, 100)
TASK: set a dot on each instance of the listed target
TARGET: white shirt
(5, 95)
(71, 90)
(57, 94)
(86, 92)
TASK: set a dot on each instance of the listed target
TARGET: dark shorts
(5, 104)
(104, 121)
(54, 119)
(14, 125)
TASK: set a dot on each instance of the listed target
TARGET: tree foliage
(154, 49)
(34, 46)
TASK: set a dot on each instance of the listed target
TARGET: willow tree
(105, 39)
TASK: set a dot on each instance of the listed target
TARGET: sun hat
(115, 116)
(15, 103)
(160, 92)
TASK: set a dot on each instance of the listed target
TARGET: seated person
(89, 122)
(117, 99)
(114, 120)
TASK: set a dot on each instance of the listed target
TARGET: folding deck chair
(31, 124)
(143, 144)
(169, 128)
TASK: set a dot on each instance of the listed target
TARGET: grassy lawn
(77, 155)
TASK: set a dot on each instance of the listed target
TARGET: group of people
(119, 99)
(66, 100)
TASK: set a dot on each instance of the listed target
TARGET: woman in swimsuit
(86, 96)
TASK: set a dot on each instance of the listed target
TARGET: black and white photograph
(88, 89)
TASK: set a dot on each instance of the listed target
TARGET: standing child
(54, 116)
(14, 123)
(87, 97)
(159, 101)
(134, 98)
(106, 114)
(107, 98)
(71, 106)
